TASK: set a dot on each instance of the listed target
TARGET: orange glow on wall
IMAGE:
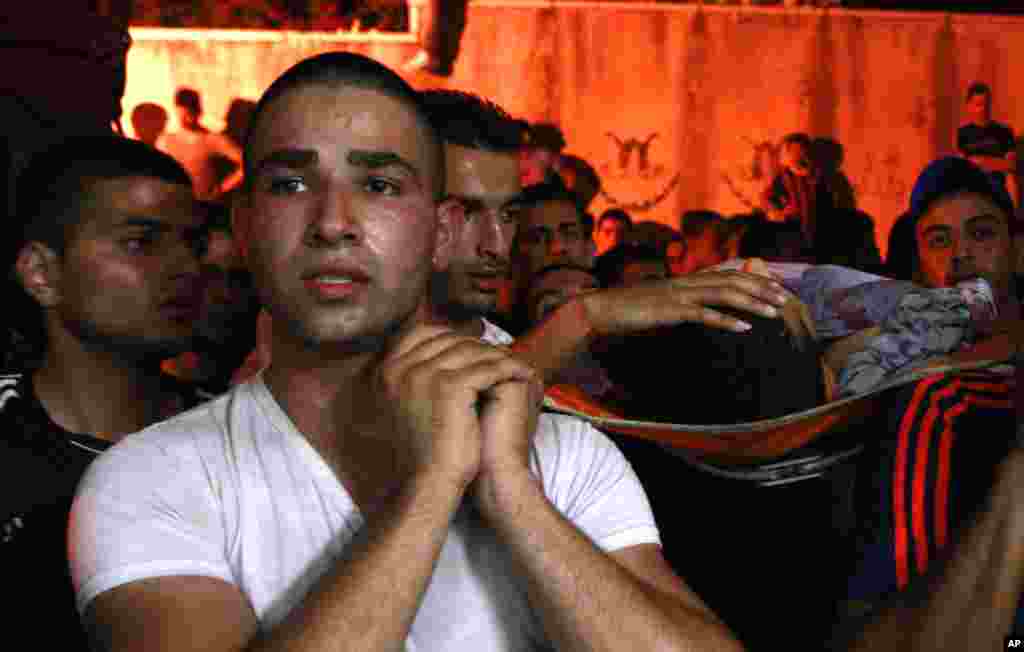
(668, 102)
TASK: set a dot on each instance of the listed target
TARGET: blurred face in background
(979, 108)
(675, 257)
(797, 159)
(230, 303)
(609, 233)
(702, 251)
(551, 233)
(534, 164)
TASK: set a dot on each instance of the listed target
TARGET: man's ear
(451, 218)
(38, 271)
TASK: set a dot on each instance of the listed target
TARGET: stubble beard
(458, 302)
(135, 349)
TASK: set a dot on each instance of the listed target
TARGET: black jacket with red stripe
(919, 485)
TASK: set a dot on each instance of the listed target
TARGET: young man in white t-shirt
(384, 483)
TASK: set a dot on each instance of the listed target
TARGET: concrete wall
(668, 101)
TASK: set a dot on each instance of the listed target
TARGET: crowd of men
(309, 417)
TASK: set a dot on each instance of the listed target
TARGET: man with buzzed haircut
(385, 484)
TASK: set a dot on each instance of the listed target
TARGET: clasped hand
(462, 408)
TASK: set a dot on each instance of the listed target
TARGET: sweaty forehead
(479, 174)
(956, 210)
(331, 119)
(144, 196)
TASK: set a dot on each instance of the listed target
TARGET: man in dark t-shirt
(107, 283)
(988, 144)
(40, 465)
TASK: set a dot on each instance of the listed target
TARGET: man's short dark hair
(616, 214)
(347, 69)
(56, 182)
(548, 191)
(694, 223)
(544, 135)
(770, 240)
(609, 266)
(188, 98)
(978, 88)
(798, 138)
(471, 121)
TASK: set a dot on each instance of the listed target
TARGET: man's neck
(335, 402)
(98, 393)
(461, 319)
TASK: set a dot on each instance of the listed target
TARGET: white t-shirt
(232, 490)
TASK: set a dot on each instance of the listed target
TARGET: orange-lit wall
(699, 87)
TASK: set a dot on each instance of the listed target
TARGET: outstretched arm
(571, 328)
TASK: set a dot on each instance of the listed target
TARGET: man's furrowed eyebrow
(937, 228)
(286, 158)
(380, 159)
(984, 217)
